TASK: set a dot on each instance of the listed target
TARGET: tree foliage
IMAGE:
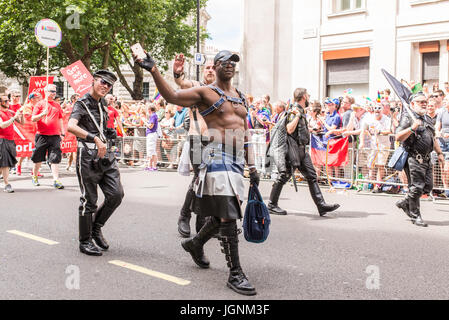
(97, 32)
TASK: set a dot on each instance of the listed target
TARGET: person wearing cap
(298, 137)
(219, 188)
(189, 201)
(95, 163)
(417, 135)
(49, 118)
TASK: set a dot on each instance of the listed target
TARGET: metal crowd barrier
(358, 173)
(133, 150)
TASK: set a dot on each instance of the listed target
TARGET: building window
(348, 5)
(430, 68)
(348, 73)
(146, 90)
(59, 88)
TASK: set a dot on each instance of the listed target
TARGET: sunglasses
(52, 91)
(105, 83)
(225, 63)
(16, 96)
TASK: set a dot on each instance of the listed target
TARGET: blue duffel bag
(256, 222)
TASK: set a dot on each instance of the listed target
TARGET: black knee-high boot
(274, 199)
(414, 205)
(85, 236)
(237, 280)
(194, 246)
(186, 214)
(317, 196)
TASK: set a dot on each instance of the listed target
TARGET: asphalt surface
(367, 249)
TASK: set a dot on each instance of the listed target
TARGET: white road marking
(149, 272)
(32, 237)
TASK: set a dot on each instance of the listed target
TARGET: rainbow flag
(379, 99)
(156, 95)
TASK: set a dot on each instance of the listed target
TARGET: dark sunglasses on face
(52, 91)
(105, 83)
(16, 96)
(225, 63)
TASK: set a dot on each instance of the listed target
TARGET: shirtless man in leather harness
(219, 188)
(189, 203)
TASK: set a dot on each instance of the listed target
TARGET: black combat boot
(194, 245)
(237, 280)
(185, 215)
(414, 206)
(274, 198)
(85, 236)
(317, 196)
(403, 204)
(200, 221)
(102, 215)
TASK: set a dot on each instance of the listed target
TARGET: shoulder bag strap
(95, 121)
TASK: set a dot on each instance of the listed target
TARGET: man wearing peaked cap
(95, 164)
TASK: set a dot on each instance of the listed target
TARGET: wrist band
(177, 75)
(90, 137)
(411, 129)
(252, 167)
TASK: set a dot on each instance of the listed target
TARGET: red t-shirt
(7, 133)
(49, 125)
(112, 113)
(15, 107)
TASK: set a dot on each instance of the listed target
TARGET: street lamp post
(197, 36)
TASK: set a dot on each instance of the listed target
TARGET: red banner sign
(78, 77)
(37, 84)
(24, 137)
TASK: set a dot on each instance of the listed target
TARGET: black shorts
(44, 145)
(7, 153)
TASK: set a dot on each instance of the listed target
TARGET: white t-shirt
(372, 125)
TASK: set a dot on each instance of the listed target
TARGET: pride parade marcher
(220, 188)
(96, 165)
(7, 144)
(49, 117)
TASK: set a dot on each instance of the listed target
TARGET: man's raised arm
(178, 73)
(184, 98)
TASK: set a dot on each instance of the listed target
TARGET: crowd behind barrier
(359, 133)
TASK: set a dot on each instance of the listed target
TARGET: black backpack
(256, 222)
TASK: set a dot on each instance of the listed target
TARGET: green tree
(97, 32)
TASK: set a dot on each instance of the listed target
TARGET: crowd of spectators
(153, 132)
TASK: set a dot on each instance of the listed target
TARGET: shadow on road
(338, 215)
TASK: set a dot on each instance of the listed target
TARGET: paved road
(367, 241)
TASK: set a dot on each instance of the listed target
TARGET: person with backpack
(297, 157)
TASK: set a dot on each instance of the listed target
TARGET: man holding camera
(219, 188)
(95, 165)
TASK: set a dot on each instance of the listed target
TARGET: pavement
(368, 249)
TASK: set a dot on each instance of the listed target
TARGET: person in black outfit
(96, 164)
(417, 134)
(298, 137)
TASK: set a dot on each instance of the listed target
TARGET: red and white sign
(37, 84)
(78, 77)
(24, 136)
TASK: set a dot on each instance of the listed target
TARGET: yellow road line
(32, 237)
(149, 272)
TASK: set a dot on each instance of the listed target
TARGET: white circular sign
(48, 33)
